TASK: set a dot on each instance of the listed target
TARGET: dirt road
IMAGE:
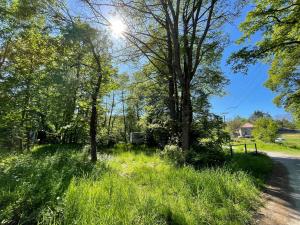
(282, 195)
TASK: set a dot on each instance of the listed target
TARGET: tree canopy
(265, 129)
(278, 22)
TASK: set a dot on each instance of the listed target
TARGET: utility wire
(253, 85)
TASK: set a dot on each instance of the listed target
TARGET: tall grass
(57, 184)
(144, 189)
(258, 166)
(33, 183)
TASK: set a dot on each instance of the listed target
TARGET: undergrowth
(58, 185)
(34, 182)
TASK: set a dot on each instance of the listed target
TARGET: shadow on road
(283, 192)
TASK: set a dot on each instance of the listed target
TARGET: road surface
(282, 206)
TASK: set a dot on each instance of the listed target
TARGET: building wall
(245, 131)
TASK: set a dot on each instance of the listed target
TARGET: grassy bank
(57, 185)
(291, 144)
(292, 140)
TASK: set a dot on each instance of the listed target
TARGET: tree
(54, 71)
(259, 114)
(265, 129)
(280, 46)
(27, 53)
(285, 123)
(177, 38)
(98, 45)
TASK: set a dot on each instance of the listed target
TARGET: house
(246, 130)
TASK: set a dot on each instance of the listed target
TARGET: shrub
(174, 154)
(156, 135)
(265, 129)
(208, 154)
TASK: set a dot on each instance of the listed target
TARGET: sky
(244, 93)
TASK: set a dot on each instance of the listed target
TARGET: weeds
(58, 185)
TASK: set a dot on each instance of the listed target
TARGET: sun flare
(117, 27)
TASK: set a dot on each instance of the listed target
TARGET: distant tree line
(265, 127)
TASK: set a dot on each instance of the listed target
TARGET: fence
(245, 148)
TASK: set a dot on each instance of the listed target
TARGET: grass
(259, 166)
(33, 182)
(292, 140)
(290, 146)
(57, 185)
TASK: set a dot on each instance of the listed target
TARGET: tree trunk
(172, 106)
(172, 89)
(186, 116)
(124, 117)
(93, 121)
(94, 115)
(93, 130)
(111, 112)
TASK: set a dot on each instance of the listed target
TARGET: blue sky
(245, 93)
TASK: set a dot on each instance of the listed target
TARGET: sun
(117, 27)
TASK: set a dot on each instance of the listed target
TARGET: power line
(252, 86)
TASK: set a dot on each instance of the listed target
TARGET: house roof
(247, 125)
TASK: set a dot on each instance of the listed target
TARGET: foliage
(205, 156)
(146, 190)
(184, 50)
(157, 135)
(34, 183)
(265, 129)
(210, 131)
(209, 136)
(48, 73)
(284, 123)
(174, 154)
(258, 114)
(280, 45)
(260, 166)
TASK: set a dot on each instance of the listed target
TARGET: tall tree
(278, 21)
(98, 45)
(259, 114)
(178, 35)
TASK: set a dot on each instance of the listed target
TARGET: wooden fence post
(246, 148)
(255, 148)
(231, 151)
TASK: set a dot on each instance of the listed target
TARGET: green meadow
(57, 184)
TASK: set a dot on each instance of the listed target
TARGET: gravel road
(282, 195)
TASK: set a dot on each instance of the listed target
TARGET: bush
(265, 129)
(204, 155)
(174, 154)
(156, 135)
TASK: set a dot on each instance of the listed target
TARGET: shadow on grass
(297, 147)
(51, 149)
(34, 182)
(137, 149)
(258, 165)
